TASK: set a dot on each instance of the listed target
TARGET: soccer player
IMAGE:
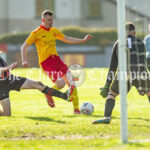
(44, 37)
(137, 74)
(10, 82)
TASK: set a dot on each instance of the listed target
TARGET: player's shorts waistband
(51, 57)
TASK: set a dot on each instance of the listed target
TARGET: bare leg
(109, 106)
(31, 84)
(74, 92)
(60, 83)
(6, 107)
(66, 80)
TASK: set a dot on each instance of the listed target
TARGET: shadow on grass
(131, 118)
(45, 119)
(135, 125)
(143, 119)
(82, 115)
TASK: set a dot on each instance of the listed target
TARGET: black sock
(53, 92)
(109, 105)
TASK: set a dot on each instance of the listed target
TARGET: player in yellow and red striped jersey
(44, 37)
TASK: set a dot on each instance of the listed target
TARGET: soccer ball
(87, 108)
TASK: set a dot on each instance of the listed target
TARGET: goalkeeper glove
(104, 91)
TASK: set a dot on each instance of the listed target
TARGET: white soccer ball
(87, 108)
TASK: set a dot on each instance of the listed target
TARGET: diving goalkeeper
(137, 74)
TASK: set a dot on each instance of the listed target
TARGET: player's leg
(73, 90)
(57, 86)
(6, 107)
(59, 78)
(109, 106)
(49, 68)
(74, 93)
(110, 103)
(31, 84)
(148, 95)
(60, 83)
(55, 69)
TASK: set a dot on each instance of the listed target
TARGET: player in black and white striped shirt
(10, 82)
(137, 74)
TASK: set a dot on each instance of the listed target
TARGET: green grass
(34, 125)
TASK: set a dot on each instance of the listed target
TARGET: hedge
(101, 37)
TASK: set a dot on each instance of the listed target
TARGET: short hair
(130, 26)
(47, 12)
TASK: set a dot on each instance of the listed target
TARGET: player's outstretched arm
(24, 49)
(10, 67)
(72, 40)
(111, 73)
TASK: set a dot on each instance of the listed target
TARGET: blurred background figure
(147, 45)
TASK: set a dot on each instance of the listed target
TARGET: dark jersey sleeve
(113, 65)
(3, 64)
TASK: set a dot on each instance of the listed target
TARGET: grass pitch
(34, 125)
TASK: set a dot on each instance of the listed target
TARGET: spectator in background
(147, 45)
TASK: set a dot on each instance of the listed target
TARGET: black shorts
(115, 86)
(142, 86)
(10, 83)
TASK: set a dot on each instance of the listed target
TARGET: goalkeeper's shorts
(10, 83)
(142, 86)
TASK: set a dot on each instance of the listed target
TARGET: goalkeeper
(9, 82)
(137, 74)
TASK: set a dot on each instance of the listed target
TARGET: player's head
(47, 18)
(130, 28)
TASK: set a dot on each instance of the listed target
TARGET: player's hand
(25, 64)
(104, 91)
(12, 66)
(87, 37)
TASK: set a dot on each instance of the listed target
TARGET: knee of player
(40, 83)
(5, 113)
(112, 94)
(36, 84)
(61, 85)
